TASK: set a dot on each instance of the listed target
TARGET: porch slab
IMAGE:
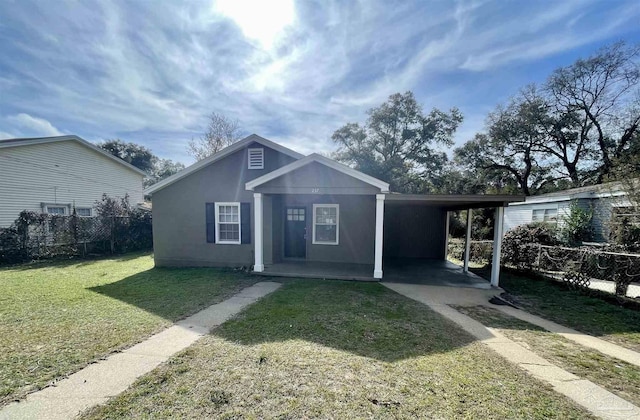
(432, 273)
(410, 271)
(320, 270)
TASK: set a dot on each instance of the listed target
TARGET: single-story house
(257, 203)
(607, 201)
(56, 175)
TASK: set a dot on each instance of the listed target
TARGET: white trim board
(221, 154)
(330, 163)
(43, 140)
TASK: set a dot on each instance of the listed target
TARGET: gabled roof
(43, 140)
(221, 154)
(384, 187)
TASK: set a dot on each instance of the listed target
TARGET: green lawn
(613, 374)
(57, 317)
(329, 349)
(552, 300)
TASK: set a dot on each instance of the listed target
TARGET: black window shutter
(245, 220)
(211, 222)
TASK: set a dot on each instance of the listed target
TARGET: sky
(151, 72)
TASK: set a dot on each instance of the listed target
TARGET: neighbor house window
(228, 223)
(83, 211)
(256, 158)
(545, 215)
(56, 210)
(326, 222)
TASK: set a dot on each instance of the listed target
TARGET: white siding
(516, 216)
(523, 214)
(61, 172)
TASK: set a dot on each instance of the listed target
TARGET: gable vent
(256, 158)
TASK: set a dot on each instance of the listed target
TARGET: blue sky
(151, 71)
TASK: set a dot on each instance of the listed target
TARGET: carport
(415, 240)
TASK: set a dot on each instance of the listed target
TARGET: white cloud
(33, 125)
(291, 72)
(263, 21)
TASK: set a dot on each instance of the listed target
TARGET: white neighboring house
(608, 202)
(55, 174)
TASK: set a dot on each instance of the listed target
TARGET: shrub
(576, 226)
(11, 249)
(626, 233)
(517, 246)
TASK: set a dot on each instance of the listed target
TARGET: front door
(295, 233)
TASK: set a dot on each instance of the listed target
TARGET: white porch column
(497, 246)
(377, 268)
(467, 243)
(446, 237)
(258, 265)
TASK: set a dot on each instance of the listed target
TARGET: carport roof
(454, 201)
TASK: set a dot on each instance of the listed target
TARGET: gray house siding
(179, 220)
(414, 232)
(317, 179)
(602, 213)
(356, 228)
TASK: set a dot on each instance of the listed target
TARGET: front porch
(318, 218)
(412, 271)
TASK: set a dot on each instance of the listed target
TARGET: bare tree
(600, 94)
(221, 132)
(509, 149)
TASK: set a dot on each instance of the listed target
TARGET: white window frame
(63, 206)
(84, 208)
(249, 151)
(313, 238)
(544, 215)
(217, 216)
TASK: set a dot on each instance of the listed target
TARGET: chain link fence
(580, 268)
(36, 236)
(480, 251)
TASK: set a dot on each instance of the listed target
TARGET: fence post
(539, 255)
(111, 233)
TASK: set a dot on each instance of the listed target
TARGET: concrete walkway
(586, 340)
(594, 398)
(98, 382)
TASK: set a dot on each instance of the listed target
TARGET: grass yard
(618, 377)
(332, 349)
(57, 317)
(553, 301)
